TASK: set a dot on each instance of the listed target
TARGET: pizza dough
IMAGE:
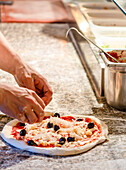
(61, 151)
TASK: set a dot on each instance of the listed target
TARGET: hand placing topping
(57, 115)
(21, 103)
(23, 132)
(90, 125)
(49, 125)
(56, 127)
(62, 140)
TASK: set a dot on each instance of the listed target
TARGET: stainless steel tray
(115, 83)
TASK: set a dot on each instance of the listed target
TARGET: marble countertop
(46, 49)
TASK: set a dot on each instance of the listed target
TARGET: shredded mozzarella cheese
(42, 135)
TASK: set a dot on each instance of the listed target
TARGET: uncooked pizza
(56, 134)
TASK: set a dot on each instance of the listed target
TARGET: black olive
(62, 140)
(71, 139)
(57, 115)
(49, 125)
(56, 127)
(22, 124)
(80, 119)
(32, 143)
(23, 132)
(90, 125)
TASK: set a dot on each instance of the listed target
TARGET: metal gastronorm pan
(115, 83)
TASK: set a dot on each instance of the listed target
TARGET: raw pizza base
(6, 135)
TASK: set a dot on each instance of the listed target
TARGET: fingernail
(41, 114)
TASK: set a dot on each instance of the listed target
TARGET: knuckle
(30, 92)
(30, 99)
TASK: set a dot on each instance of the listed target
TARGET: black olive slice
(57, 115)
(90, 125)
(23, 132)
(32, 143)
(49, 125)
(56, 127)
(79, 119)
(71, 139)
(62, 140)
(22, 124)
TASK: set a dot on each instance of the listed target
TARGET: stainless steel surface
(93, 65)
(115, 84)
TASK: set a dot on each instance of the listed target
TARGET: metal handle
(89, 41)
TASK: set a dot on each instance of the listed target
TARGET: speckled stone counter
(46, 49)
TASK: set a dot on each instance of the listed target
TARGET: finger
(47, 100)
(39, 112)
(31, 116)
(17, 113)
(42, 87)
(22, 117)
(47, 97)
(39, 100)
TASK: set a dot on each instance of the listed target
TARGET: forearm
(9, 59)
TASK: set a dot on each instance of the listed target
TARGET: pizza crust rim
(56, 151)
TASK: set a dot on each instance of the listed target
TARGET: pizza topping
(66, 131)
(56, 127)
(88, 133)
(71, 139)
(79, 119)
(68, 118)
(23, 132)
(91, 125)
(49, 125)
(57, 115)
(32, 143)
(62, 140)
(22, 124)
(57, 121)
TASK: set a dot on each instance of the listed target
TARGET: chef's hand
(31, 79)
(21, 103)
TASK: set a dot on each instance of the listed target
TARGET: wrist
(17, 64)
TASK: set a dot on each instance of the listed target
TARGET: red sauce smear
(68, 118)
(46, 117)
(88, 120)
(14, 130)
